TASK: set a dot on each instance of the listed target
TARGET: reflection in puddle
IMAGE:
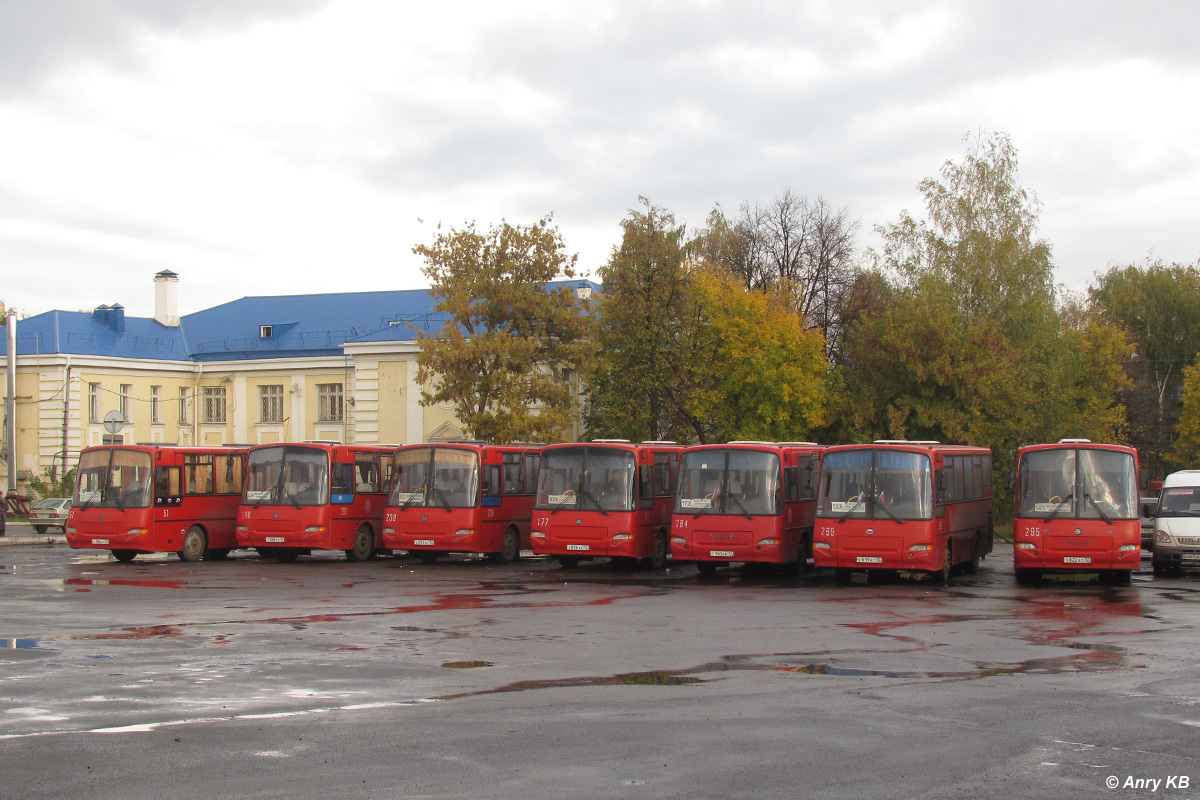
(22, 644)
(652, 678)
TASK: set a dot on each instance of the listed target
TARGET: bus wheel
(194, 544)
(124, 555)
(568, 562)
(942, 575)
(286, 555)
(510, 548)
(658, 560)
(426, 557)
(364, 545)
(707, 568)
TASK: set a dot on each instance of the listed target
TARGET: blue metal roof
(300, 326)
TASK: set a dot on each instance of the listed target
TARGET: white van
(1177, 523)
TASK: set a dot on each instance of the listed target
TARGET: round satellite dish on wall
(114, 421)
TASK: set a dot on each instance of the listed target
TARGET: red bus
(609, 498)
(153, 498)
(747, 502)
(1077, 509)
(309, 496)
(907, 506)
(461, 497)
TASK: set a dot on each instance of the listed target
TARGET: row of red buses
(133, 499)
(751, 502)
(315, 496)
(900, 505)
(461, 497)
(608, 497)
(1077, 509)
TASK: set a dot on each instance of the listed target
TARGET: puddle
(146, 632)
(467, 664)
(23, 644)
(124, 582)
(652, 678)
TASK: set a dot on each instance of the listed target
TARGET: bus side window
(492, 487)
(228, 475)
(791, 484)
(646, 486)
(514, 474)
(341, 478)
(532, 461)
(166, 485)
(365, 473)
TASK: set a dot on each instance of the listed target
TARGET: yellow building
(339, 367)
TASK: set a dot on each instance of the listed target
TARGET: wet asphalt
(391, 678)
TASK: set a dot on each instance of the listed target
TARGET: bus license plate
(99, 541)
(720, 554)
(275, 540)
(869, 559)
(1077, 560)
(578, 547)
(423, 542)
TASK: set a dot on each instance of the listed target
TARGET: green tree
(506, 354)
(1158, 305)
(973, 346)
(1185, 451)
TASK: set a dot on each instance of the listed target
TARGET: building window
(183, 405)
(265, 331)
(330, 406)
(270, 403)
(214, 403)
(126, 391)
(93, 402)
(155, 405)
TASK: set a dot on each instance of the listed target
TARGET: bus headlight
(463, 533)
(768, 542)
(921, 548)
(389, 531)
(138, 531)
(1127, 547)
(71, 530)
(1026, 546)
(315, 529)
(537, 535)
(622, 537)
(242, 529)
(678, 540)
(1162, 537)
(821, 546)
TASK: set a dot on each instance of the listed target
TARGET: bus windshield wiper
(851, 510)
(116, 496)
(290, 496)
(1058, 507)
(441, 494)
(734, 498)
(585, 493)
(1099, 510)
(880, 504)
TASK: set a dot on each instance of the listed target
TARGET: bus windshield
(876, 484)
(443, 477)
(1081, 483)
(113, 479)
(729, 481)
(287, 475)
(586, 478)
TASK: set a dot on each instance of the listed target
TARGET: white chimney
(166, 298)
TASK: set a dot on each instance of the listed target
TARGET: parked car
(1149, 507)
(50, 513)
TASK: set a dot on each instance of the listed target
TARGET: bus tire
(364, 544)
(195, 542)
(124, 555)
(942, 575)
(427, 557)
(658, 559)
(707, 568)
(510, 548)
(568, 562)
(286, 555)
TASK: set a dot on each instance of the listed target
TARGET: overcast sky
(300, 146)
